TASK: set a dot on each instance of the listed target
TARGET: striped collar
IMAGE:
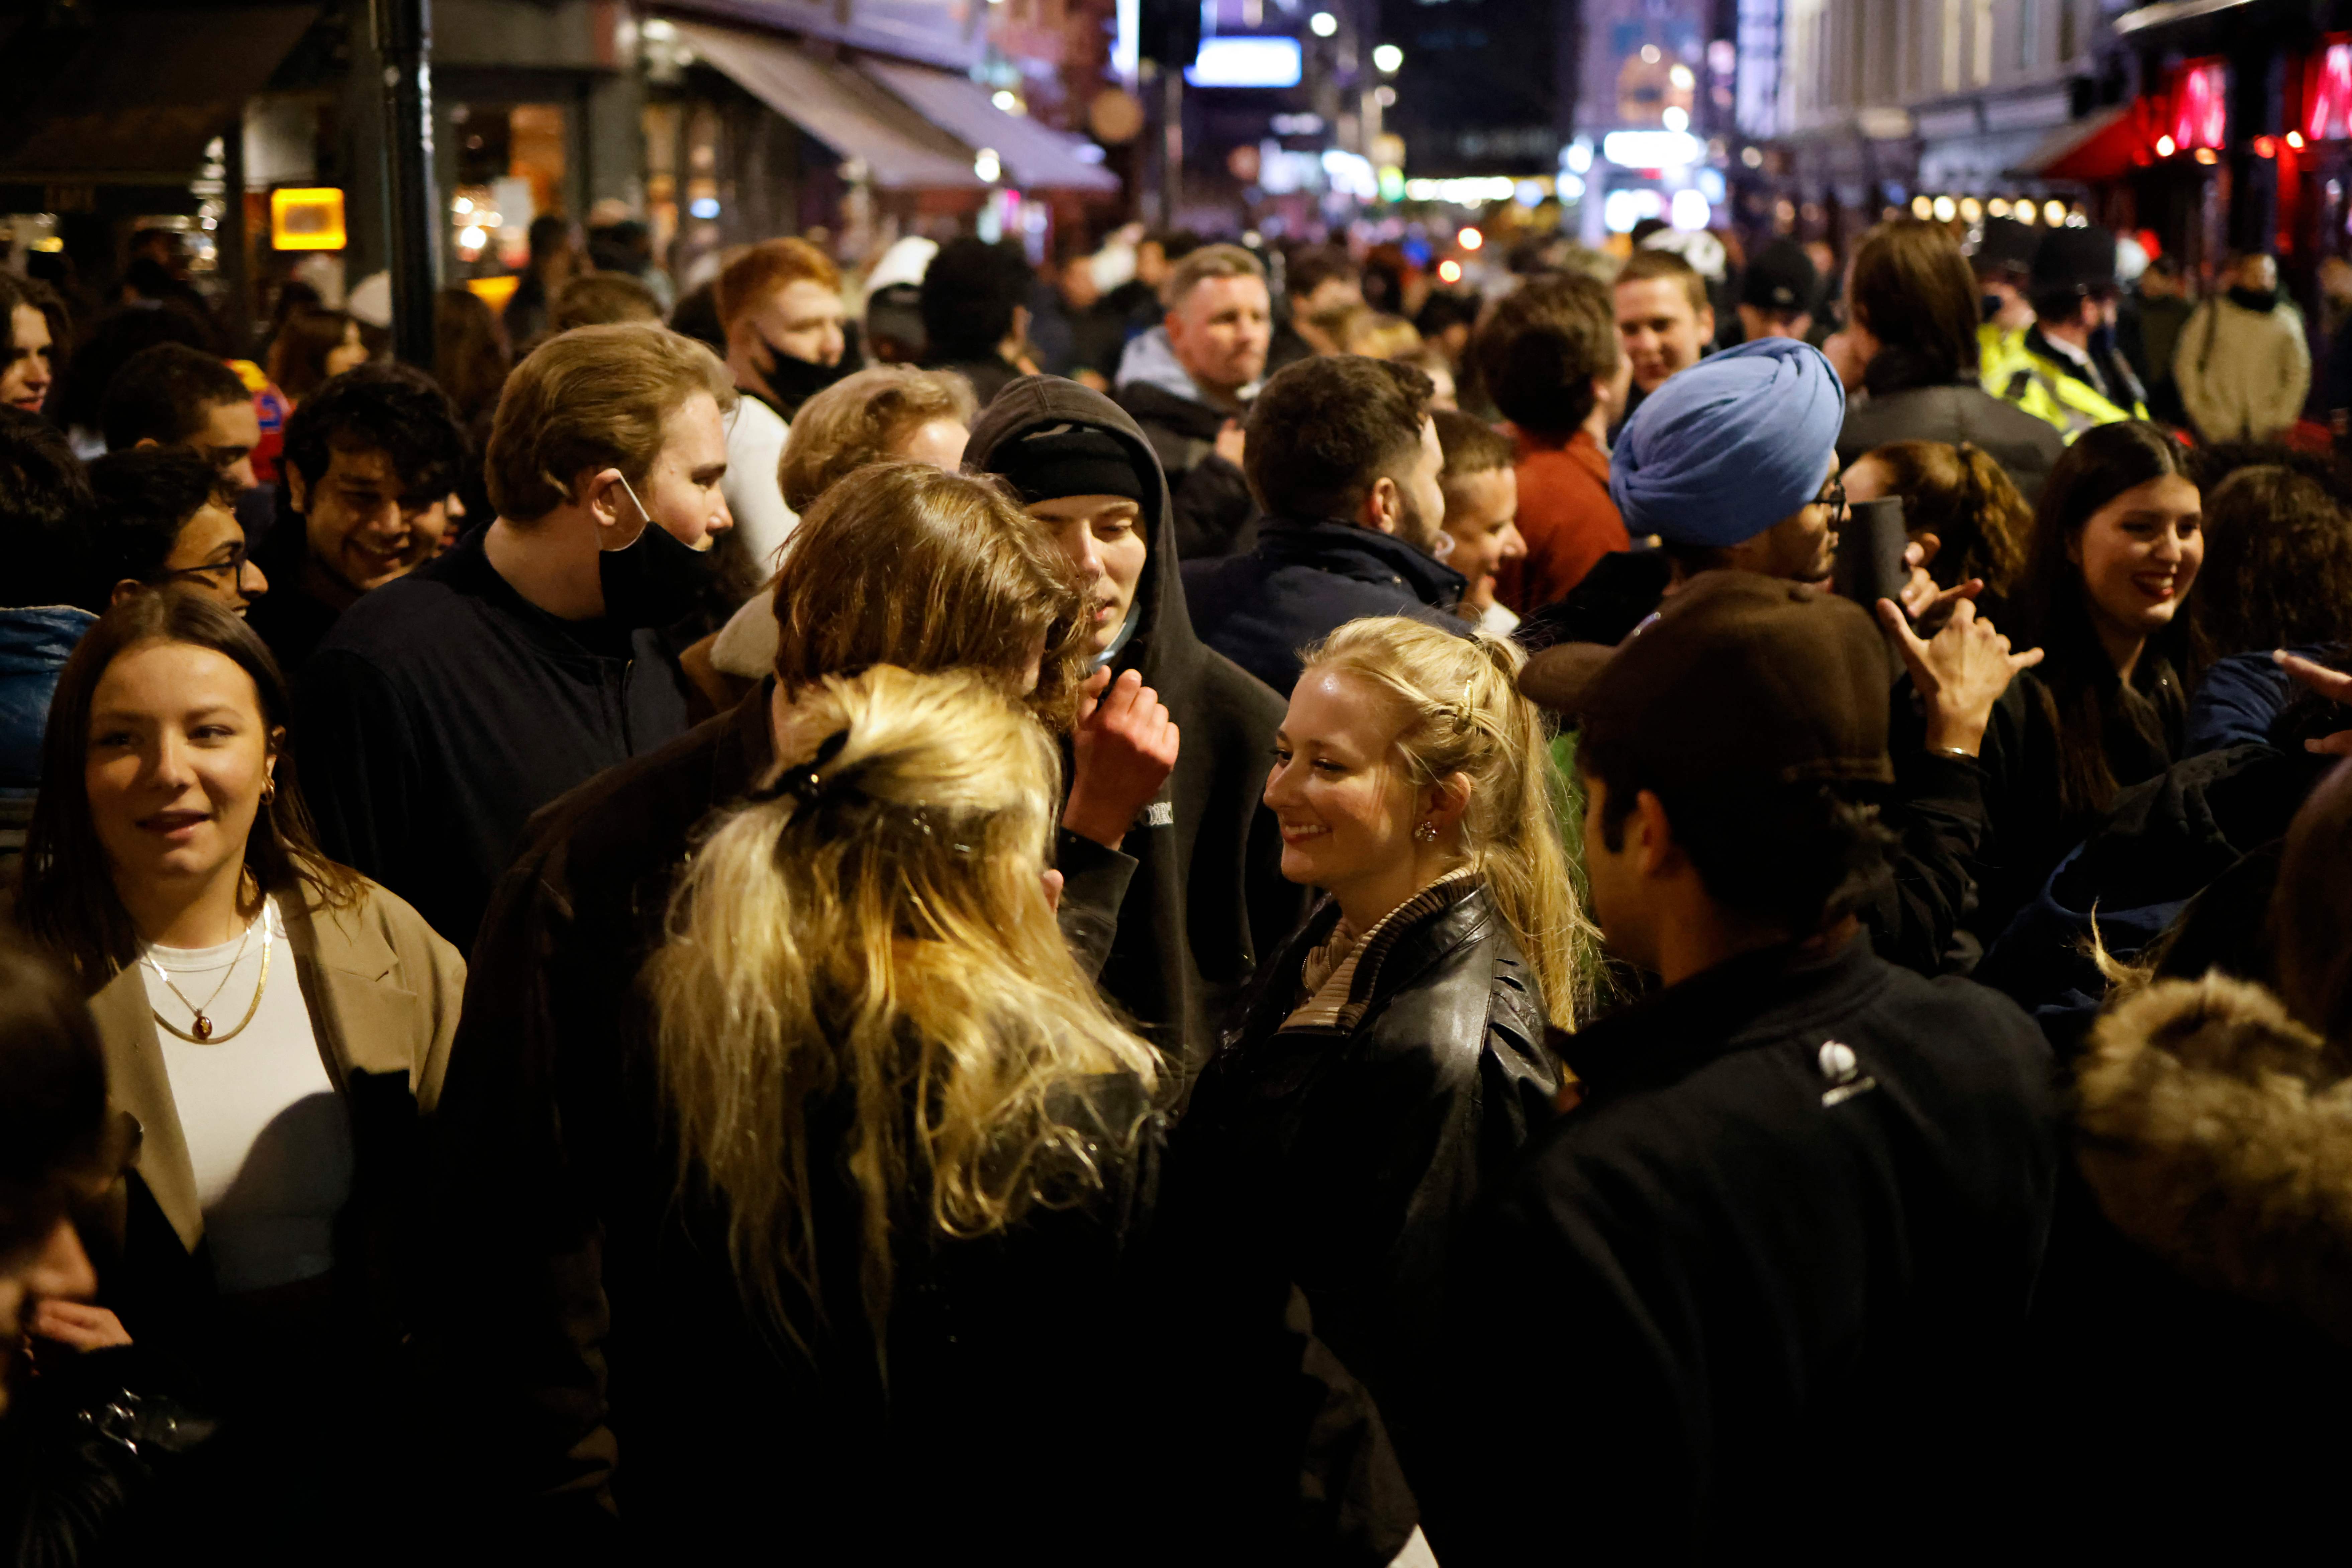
(1340, 1003)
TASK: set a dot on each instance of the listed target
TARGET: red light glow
(2329, 118)
(2200, 105)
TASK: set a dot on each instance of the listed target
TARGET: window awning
(2100, 146)
(1034, 156)
(853, 116)
(138, 95)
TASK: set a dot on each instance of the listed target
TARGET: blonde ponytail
(1465, 715)
(872, 930)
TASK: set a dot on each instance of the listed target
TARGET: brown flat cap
(1738, 674)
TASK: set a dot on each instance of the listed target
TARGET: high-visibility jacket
(2020, 367)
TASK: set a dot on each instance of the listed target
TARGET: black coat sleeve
(520, 1314)
(1938, 819)
(1093, 885)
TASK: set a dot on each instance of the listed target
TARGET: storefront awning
(2152, 19)
(1033, 156)
(2097, 148)
(141, 93)
(848, 113)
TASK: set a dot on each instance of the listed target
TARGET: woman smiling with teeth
(1392, 1055)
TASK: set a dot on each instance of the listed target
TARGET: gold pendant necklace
(203, 1025)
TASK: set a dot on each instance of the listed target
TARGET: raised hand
(1125, 747)
(2334, 685)
(1960, 673)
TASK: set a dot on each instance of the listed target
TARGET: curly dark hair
(390, 407)
(145, 496)
(2278, 563)
(1326, 428)
(1538, 353)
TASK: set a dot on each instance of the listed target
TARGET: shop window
(2329, 116)
(2200, 105)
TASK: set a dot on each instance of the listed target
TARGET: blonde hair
(1463, 712)
(873, 929)
(857, 419)
(592, 397)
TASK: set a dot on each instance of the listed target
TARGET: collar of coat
(1752, 999)
(1365, 554)
(364, 1012)
(1340, 1003)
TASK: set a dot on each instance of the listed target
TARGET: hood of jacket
(1150, 360)
(1162, 646)
(1365, 554)
(2216, 1131)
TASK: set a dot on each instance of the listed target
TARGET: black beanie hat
(1068, 460)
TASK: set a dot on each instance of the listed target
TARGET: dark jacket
(2164, 842)
(1775, 1259)
(1349, 1148)
(445, 708)
(2191, 1318)
(1306, 579)
(34, 646)
(2026, 446)
(1214, 514)
(1200, 894)
(588, 1303)
(2029, 828)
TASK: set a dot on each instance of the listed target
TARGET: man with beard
(446, 707)
(780, 306)
(1344, 458)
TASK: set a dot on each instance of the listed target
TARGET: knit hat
(1068, 459)
(1727, 448)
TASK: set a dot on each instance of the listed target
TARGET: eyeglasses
(1834, 497)
(214, 575)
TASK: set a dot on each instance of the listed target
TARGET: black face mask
(657, 580)
(794, 380)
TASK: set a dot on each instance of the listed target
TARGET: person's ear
(1707, 325)
(125, 589)
(1651, 836)
(601, 494)
(1445, 802)
(297, 492)
(1383, 505)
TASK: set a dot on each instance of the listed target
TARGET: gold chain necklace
(204, 1025)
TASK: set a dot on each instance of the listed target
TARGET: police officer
(2066, 368)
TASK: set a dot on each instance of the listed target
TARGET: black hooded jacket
(1180, 936)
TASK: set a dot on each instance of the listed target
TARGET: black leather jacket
(1351, 1150)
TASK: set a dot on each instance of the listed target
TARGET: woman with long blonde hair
(1394, 1052)
(862, 981)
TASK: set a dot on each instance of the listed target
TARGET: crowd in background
(1195, 903)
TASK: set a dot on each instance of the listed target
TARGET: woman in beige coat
(275, 1027)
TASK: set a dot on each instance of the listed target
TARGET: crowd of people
(1638, 913)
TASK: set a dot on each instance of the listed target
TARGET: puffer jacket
(1347, 1148)
(2196, 1308)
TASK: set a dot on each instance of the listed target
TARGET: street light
(1389, 57)
(1323, 24)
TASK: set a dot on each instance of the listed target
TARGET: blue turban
(1727, 448)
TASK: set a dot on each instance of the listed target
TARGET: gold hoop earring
(269, 790)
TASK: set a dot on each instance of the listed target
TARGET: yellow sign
(494, 291)
(307, 219)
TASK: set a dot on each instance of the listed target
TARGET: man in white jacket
(780, 305)
(2241, 361)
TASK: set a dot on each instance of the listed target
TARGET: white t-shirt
(1498, 620)
(267, 1132)
(755, 444)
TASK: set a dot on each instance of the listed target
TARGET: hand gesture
(1960, 673)
(78, 1325)
(1229, 442)
(2334, 685)
(1125, 748)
